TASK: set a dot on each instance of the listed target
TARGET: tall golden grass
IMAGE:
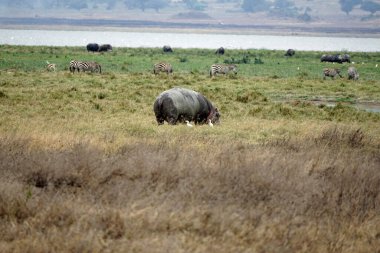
(316, 194)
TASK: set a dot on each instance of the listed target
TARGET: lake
(183, 40)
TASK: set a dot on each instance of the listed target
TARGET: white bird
(298, 68)
(210, 123)
(188, 123)
(376, 66)
(353, 62)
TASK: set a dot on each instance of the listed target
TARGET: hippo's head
(214, 116)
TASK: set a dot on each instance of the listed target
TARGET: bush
(244, 60)
(258, 61)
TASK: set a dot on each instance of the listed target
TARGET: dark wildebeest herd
(338, 58)
(94, 47)
(180, 105)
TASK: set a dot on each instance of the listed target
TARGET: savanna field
(84, 167)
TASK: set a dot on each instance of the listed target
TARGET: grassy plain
(85, 168)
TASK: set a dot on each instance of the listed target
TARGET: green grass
(125, 92)
(141, 60)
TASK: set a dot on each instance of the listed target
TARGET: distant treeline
(282, 8)
(157, 24)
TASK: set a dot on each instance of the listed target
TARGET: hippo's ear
(217, 114)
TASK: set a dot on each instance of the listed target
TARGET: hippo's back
(184, 100)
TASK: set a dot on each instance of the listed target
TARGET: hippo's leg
(171, 120)
(160, 120)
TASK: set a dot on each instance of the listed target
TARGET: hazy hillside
(337, 16)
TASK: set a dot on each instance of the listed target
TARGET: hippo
(105, 48)
(92, 47)
(181, 105)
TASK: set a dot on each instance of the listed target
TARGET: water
(366, 106)
(183, 40)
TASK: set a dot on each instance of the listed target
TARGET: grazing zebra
(162, 67)
(92, 67)
(84, 66)
(74, 65)
(352, 73)
(331, 73)
(50, 66)
(222, 69)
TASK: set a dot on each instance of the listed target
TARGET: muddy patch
(368, 106)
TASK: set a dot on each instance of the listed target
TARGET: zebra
(162, 67)
(74, 65)
(91, 66)
(222, 69)
(331, 73)
(50, 66)
(84, 66)
(352, 73)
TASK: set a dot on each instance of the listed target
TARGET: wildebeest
(167, 49)
(220, 51)
(290, 52)
(180, 104)
(352, 73)
(345, 58)
(105, 48)
(92, 47)
(335, 58)
(331, 73)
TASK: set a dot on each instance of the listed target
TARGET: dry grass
(315, 194)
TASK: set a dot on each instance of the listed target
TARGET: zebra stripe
(93, 67)
(84, 66)
(74, 65)
(162, 67)
(331, 73)
(222, 69)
